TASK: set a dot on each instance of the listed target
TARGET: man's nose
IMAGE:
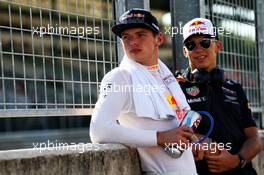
(198, 47)
(133, 41)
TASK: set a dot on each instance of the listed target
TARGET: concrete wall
(95, 160)
(85, 159)
(258, 161)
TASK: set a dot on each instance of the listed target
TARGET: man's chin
(135, 58)
(204, 67)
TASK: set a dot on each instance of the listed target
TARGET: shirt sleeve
(104, 127)
(246, 117)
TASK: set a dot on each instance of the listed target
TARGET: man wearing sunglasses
(206, 89)
(138, 100)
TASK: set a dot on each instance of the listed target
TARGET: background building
(54, 53)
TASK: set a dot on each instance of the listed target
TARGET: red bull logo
(196, 23)
(198, 27)
(138, 15)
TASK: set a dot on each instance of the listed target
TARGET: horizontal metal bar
(25, 139)
(56, 57)
(50, 80)
(256, 109)
(52, 10)
(14, 113)
(57, 34)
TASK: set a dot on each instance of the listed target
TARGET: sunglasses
(204, 43)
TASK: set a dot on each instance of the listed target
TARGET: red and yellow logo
(196, 23)
(171, 101)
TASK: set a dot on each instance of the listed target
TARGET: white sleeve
(104, 127)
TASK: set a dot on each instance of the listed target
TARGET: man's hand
(222, 162)
(179, 135)
(198, 151)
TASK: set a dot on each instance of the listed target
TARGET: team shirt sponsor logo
(179, 113)
(193, 91)
(169, 79)
(171, 101)
(196, 100)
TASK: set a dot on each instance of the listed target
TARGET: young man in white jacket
(140, 102)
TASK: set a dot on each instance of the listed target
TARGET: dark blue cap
(136, 17)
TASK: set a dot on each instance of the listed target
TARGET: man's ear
(184, 51)
(218, 46)
(159, 39)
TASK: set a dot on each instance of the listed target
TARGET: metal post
(120, 7)
(182, 12)
(260, 39)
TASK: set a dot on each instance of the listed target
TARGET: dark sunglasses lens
(205, 43)
(190, 45)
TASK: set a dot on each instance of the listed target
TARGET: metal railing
(239, 56)
(53, 55)
(260, 37)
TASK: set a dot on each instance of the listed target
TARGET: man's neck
(146, 62)
(152, 61)
(209, 69)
